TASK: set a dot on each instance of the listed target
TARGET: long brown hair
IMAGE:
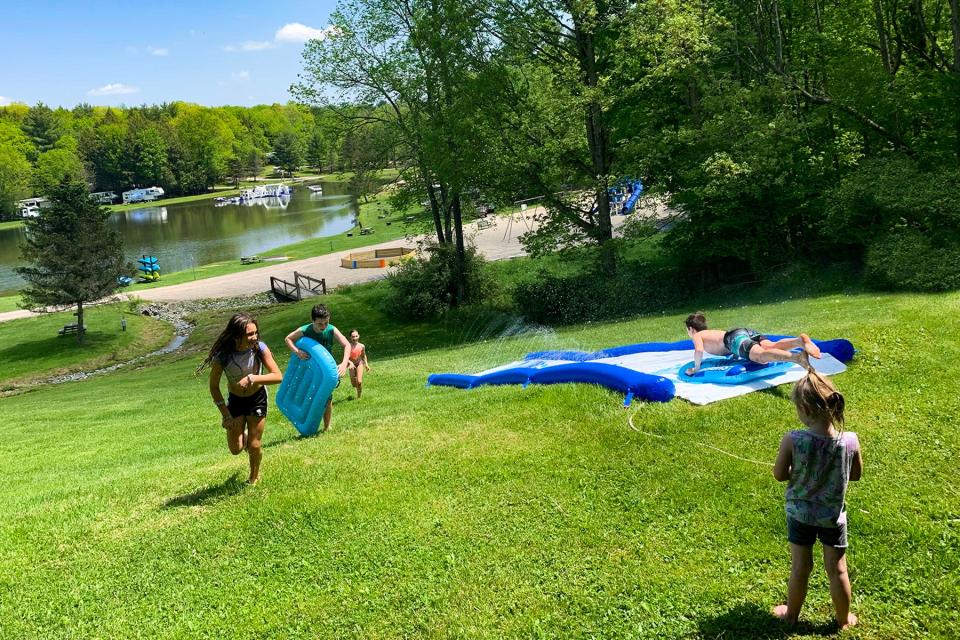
(818, 397)
(230, 337)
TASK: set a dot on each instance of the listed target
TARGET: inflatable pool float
(306, 387)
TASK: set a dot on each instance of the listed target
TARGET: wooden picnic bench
(484, 223)
(69, 328)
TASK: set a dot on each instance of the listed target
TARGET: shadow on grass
(750, 620)
(210, 494)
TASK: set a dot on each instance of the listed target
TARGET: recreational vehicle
(147, 194)
(103, 197)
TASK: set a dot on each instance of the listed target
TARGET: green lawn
(496, 512)
(32, 348)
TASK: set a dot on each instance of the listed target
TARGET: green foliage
(634, 288)
(73, 255)
(14, 180)
(57, 165)
(910, 260)
(427, 288)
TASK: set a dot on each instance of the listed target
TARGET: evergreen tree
(73, 255)
(41, 127)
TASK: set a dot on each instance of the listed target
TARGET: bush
(635, 288)
(428, 287)
(908, 259)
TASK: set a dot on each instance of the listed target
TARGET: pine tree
(73, 255)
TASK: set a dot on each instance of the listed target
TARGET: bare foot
(253, 481)
(852, 621)
(809, 346)
(780, 611)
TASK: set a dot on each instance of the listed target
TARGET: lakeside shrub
(428, 288)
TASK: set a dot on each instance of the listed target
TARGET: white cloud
(4, 101)
(290, 32)
(241, 75)
(113, 89)
(158, 51)
(296, 32)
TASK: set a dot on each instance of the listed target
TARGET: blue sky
(142, 52)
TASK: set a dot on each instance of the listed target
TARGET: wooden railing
(301, 287)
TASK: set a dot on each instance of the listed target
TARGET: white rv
(30, 208)
(148, 194)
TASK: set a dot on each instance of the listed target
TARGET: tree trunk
(461, 263)
(81, 329)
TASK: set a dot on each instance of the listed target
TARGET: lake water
(196, 233)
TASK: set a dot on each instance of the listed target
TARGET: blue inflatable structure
(602, 368)
(306, 387)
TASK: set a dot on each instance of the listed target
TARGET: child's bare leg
(786, 344)
(235, 435)
(763, 356)
(835, 562)
(328, 414)
(254, 435)
(359, 381)
(801, 564)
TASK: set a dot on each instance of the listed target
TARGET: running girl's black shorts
(255, 405)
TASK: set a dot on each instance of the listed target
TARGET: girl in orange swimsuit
(358, 362)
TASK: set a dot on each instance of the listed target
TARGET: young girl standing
(817, 463)
(239, 354)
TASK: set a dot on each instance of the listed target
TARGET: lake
(197, 233)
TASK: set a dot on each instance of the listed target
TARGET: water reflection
(197, 233)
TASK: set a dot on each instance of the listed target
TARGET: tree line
(781, 130)
(183, 148)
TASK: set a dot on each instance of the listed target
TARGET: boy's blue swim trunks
(740, 341)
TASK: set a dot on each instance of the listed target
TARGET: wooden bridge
(303, 286)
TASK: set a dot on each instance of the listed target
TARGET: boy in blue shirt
(324, 333)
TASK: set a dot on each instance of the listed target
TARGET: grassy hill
(487, 513)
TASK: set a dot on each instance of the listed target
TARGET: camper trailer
(30, 208)
(147, 194)
(103, 197)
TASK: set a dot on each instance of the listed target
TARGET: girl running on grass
(358, 362)
(239, 354)
(817, 463)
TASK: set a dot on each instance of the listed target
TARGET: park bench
(68, 329)
(249, 259)
(366, 231)
(484, 223)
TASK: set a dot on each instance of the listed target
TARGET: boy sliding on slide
(746, 344)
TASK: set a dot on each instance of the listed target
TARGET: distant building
(148, 194)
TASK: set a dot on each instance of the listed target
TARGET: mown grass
(32, 348)
(497, 512)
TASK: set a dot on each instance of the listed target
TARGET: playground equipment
(380, 258)
(307, 386)
(149, 269)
